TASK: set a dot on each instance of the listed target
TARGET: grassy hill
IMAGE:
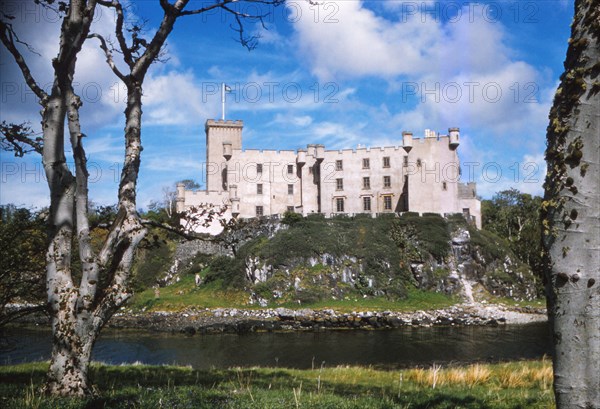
(407, 262)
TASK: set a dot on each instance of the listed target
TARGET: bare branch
(220, 4)
(249, 42)
(14, 136)
(178, 231)
(109, 58)
(8, 38)
(204, 9)
(127, 56)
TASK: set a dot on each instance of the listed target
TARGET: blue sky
(342, 73)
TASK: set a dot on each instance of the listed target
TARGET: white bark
(572, 217)
(72, 338)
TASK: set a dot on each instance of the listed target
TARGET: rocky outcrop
(466, 268)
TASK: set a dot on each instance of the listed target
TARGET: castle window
(366, 163)
(310, 170)
(290, 169)
(259, 189)
(339, 204)
(259, 168)
(366, 183)
(290, 189)
(339, 184)
(419, 163)
(405, 161)
(366, 203)
(444, 186)
(387, 181)
(259, 211)
(290, 209)
(387, 202)
(386, 161)
(339, 165)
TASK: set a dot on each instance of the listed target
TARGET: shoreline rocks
(237, 321)
(241, 321)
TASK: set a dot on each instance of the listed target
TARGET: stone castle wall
(422, 175)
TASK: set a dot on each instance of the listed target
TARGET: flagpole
(223, 101)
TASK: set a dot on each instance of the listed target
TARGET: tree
(22, 245)
(571, 216)
(80, 308)
(515, 216)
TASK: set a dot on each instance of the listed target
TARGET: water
(387, 348)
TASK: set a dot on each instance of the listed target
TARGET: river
(397, 348)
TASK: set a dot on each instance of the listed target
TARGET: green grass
(498, 386)
(416, 300)
(185, 294)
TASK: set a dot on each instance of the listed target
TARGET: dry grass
(500, 376)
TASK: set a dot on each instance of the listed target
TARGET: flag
(227, 88)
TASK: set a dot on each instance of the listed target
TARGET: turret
(407, 141)
(180, 201)
(454, 136)
(227, 150)
(235, 200)
(320, 152)
(301, 157)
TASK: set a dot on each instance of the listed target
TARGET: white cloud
(176, 98)
(357, 42)
(460, 73)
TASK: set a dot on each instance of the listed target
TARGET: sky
(341, 73)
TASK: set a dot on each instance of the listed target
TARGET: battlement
(364, 150)
(199, 193)
(224, 124)
(267, 151)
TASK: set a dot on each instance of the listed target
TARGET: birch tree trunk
(71, 340)
(571, 217)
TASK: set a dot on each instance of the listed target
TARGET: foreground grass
(506, 385)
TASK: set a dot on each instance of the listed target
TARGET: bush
(153, 260)
(291, 218)
(229, 271)
(430, 233)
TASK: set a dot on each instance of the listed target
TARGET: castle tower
(222, 138)
(454, 135)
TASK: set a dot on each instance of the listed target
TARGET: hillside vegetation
(342, 262)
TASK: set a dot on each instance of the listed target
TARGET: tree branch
(8, 37)
(204, 9)
(127, 56)
(89, 280)
(109, 58)
(14, 136)
(180, 232)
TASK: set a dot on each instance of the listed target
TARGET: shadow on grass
(177, 387)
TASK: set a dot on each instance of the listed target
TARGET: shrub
(228, 270)
(291, 218)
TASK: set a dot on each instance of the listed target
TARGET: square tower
(222, 138)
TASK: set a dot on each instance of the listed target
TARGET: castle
(421, 176)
